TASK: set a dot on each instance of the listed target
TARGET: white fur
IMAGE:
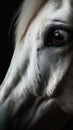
(33, 19)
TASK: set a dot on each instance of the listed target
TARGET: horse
(37, 91)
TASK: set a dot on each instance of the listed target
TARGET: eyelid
(59, 25)
(63, 26)
(56, 25)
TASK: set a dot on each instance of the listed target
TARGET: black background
(7, 12)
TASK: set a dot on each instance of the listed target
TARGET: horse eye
(57, 37)
(60, 37)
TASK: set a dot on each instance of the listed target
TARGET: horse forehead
(56, 9)
(59, 2)
(55, 6)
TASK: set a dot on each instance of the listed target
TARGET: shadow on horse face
(37, 91)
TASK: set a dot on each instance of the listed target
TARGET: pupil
(58, 36)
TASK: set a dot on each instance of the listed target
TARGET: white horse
(37, 92)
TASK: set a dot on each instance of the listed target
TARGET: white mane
(28, 11)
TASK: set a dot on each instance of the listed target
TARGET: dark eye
(57, 38)
(60, 37)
